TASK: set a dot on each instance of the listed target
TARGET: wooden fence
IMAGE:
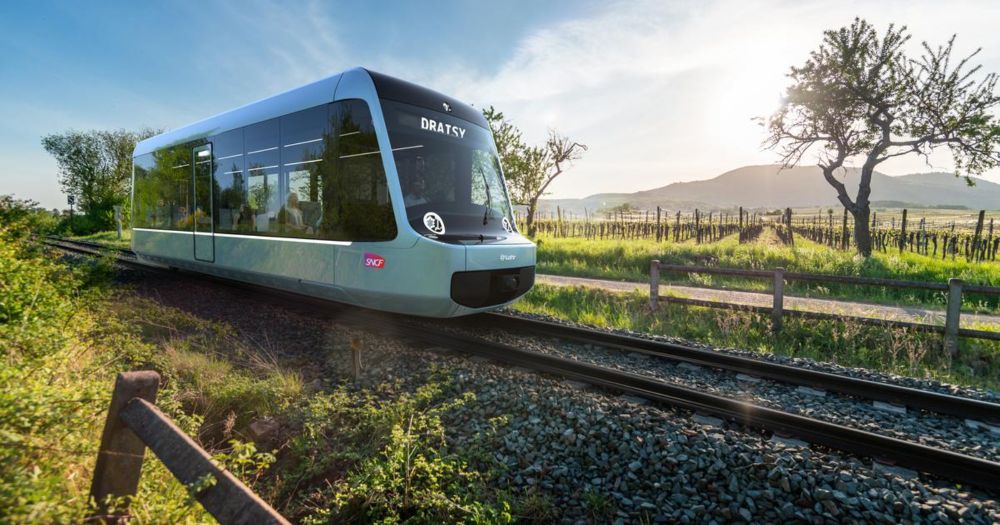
(778, 276)
(133, 424)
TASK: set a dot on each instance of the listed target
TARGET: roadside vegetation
(895, 351)
(628, 260)
(327, 453)
(108, 238)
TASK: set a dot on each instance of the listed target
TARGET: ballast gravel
(594, 456)
(927, 428)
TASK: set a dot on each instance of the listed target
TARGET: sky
(659, 91)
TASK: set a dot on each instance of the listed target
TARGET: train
(359, 188)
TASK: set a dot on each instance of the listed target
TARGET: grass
(109, 238)
(629, 260)
(895, 351)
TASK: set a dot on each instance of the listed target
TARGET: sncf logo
(373, 260)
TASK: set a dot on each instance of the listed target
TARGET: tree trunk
(530, 219)
(862, 233)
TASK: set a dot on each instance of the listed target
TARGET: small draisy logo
(506, 225)
(504, 257)
(374, 260)
(446, 106)
(434, 223)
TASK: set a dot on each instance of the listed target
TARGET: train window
(356, 204)
(303, 141)
(164, 189)
(231, 213)
(143, 192)
(262, 163)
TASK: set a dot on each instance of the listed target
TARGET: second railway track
(975, 471)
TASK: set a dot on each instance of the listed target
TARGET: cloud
(663, 92)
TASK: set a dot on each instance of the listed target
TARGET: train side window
(262, 169)
(168, 189)
(356, 204)
(231, 211)
(143, 192)
(303, 140)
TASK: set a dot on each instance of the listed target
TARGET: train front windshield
(450, 175)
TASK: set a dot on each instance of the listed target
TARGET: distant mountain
(772, 187)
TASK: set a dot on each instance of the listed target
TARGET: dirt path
(875, 311)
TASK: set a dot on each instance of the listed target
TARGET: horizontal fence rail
(133, 424)
(954, 289)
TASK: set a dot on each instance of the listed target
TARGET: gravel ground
(596, 457)
(928, 428)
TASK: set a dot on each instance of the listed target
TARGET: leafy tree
(530, 169)
(95, 167)
(859, 96)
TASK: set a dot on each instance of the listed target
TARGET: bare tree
(529, 170)
(860, 97)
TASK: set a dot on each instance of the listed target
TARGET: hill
(771, 187)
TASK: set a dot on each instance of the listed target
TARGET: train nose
(490, 287)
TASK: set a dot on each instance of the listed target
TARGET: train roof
(322, 91)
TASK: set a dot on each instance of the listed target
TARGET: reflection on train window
(230, 182)
(163, 189)
(262, 199)
(303, 140)
(144, 192)
(356, 202)
(316, 173)
(262, 160)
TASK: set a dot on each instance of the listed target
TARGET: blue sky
(660, 91)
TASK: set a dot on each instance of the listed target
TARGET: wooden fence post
(223, 496)
(119, 460)
(951, 322)
(654, 283)
(779, 299)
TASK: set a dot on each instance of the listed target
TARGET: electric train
(359, 188)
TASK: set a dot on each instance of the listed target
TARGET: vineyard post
(741, 217)
(654, 283)
(902, 232)
(830, 211)
(843, 241)
(697, 226)
(659, 233)
(119, 459)
(974, 252)
(791, 239)
(951, 322)
(989, 241)
(779, 299)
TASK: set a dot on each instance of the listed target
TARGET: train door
(201, 181)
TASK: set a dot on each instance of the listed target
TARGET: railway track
(937, 462)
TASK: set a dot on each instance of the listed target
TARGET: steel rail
(962, 468)
(980, 472)
(963, 407)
